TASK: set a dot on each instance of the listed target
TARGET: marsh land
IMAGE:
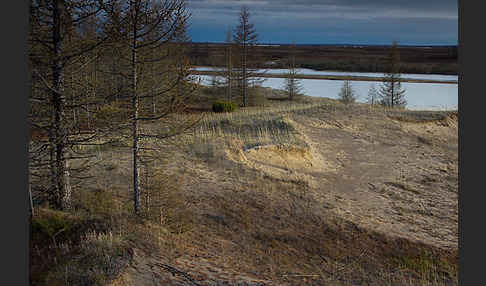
(354, 58)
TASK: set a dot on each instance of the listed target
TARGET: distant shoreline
(343, 57)
(334, 77)
(431, 46)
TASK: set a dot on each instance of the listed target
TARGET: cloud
(354, 18)
(443, 9)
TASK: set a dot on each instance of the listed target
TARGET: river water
(419, 96)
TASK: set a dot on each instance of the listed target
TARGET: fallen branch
(301, 275)
(175, 271)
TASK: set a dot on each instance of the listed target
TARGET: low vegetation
(207, 204)
(75, 248)
(222, 106)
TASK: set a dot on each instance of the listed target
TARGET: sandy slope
(395, 177)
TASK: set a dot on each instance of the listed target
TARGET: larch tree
(391, 92)
(55, 47)
(244, 38)
(292, 84)
(153, 31)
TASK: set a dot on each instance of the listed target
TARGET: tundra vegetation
(136, 180)
(421, 60)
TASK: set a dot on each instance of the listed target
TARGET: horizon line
(334, 44)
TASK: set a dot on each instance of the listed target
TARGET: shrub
(51, 223)
(72, 249)
(224, 106)
(96, 260)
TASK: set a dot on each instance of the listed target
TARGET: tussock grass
(419, 116)
(74, 249)
(96, 260)
(247, 128)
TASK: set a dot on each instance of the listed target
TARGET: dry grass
(96, 260)
(199, 205)
(74, 249)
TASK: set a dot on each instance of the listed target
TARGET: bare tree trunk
(147, 188)
(87, 98)
(245, 80)
(136, 171)
(52, 158)
(58, 133)
(230, 76)
(95, 64)
(114, 80)
(66, 199)
(229, 66)
(71, 76)
(73, 100)
(153, 85)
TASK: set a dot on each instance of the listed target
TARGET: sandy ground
(399, 178)
(395, 177)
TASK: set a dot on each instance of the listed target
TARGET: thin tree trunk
(97, 106)
(73, 100)
(245, 82)
(136, 185)
(153, 85)
(147, 188)
(229, 73)
(53, 191)
(114, 79)
(71, 76)
(87, 98)
(58, 131)
(67, 194)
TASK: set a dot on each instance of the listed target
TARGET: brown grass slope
(316, 193)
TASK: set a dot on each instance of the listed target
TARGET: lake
(419, 96)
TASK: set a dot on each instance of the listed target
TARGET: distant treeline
(434, 59)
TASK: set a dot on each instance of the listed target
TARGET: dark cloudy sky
(413, 22)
